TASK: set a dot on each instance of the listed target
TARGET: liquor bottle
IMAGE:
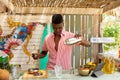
(119, 52)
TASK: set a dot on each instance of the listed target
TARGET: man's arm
(42, 54)
(39, 55)
(83, 42)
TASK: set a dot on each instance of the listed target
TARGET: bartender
(59, 53)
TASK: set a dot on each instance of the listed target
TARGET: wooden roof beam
(53, 10)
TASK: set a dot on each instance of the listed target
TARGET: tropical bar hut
(80, 16)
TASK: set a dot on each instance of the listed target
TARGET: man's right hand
(39, 55)
(35, 56)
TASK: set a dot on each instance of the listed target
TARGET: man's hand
(35, 56)
(77, 36)
(83, 41)
(39, 55)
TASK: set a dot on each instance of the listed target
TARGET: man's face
(57, 28)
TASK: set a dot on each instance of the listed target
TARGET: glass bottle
(5, 62)
(119, 52)
(0, 61)
(36, 62)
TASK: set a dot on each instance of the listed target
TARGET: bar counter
(70, 75)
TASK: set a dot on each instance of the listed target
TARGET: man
(59, 53)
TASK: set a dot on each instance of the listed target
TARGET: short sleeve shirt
(63, 55)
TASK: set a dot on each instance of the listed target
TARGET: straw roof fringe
(75, 5)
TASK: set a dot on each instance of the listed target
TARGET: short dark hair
(57, 18)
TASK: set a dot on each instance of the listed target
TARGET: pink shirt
(63, 55)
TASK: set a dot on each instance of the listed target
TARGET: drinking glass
(58, 71)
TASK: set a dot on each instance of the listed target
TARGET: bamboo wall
(87, 26)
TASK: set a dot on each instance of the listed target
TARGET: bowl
(83, 71)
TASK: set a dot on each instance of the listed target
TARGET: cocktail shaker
(71, 41)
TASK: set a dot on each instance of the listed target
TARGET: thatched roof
(114, 12)
(63, 6)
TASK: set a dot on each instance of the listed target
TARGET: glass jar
(14, 70)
